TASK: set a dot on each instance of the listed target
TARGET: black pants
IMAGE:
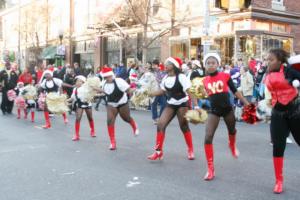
(282, 123)
(6, 105)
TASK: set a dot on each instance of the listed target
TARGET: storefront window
(180, 48)
(195, 49)
(225, 47)
(270, 42)
(87, 60)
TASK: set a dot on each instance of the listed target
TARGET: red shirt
(26, 78)
(39, 75)
(281, 91)
(216, 84)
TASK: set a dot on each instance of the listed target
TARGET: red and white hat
(80, 77)
(106, 72)
(175, 61)
(133, 77)
(295, 62)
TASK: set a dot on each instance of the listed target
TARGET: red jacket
(26, 78)
(280, 89)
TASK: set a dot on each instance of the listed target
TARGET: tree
(34, 27)
(156, 16)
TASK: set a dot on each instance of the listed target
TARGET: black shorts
(82, 105)
(176, 107)
(221, 112)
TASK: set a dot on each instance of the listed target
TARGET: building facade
(237, 29)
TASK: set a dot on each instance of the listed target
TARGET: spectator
(158, 100)
(77, 69)
(252, 65)
(25, 77)
(121, 72)
(247, 83)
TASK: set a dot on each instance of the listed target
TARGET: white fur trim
(294, 60)
(215, 55)
(82, 78)
(172, 60)
(44, 73)
(107, 74)
(296, 83)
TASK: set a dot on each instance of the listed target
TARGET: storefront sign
(242, 25)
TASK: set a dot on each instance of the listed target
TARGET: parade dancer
(286, 109)
(20, 101)
(217, 85)
(117, 91)
(175, 85)
(31, 105)
(50, 84)
(81, 105)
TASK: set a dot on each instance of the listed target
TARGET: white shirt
(80, 94)
(110, 87)
(169, 82)
(50, 84)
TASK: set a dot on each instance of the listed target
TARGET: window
(278, 2)
(278, 5)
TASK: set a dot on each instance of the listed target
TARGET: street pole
(19, 34)
(206, 26)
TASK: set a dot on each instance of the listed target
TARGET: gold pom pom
(57, 103)
(197, 90)
(196, 117)
(30, 92)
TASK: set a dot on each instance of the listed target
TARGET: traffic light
(222, 4)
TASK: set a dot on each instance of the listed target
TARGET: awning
(49, 52)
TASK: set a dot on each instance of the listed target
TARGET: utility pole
(206, 26)
(19, 34)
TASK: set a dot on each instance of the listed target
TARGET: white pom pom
(296, 83)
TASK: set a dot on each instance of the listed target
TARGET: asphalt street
(37, 164)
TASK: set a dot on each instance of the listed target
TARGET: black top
(197, 73)
(78, 102)
(53, 89)
(116, 95)
(176, 92)
(9, 83)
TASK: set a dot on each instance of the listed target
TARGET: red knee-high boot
(278, 167)
(65, 118)
(25, 114)
(158, 154)
(32, 116)
(19, 113)
(77, 127)
(134, 127)
(111, 133)
(232, 140)
(209, 152)
(189, 143)
(47, 118)
(92, 127)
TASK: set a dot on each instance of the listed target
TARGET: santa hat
(80, 77)
(44, 74)
(175, 61)
(212, 55)
(20, 83)
(133, 77)
(106, 72)
(294, 61)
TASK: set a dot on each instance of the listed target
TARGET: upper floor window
(278, 2)
(278, 5)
